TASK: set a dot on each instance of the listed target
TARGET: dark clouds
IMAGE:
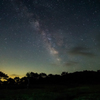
(81, 51)
(70, 63)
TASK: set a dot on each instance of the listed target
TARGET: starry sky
(49, 36)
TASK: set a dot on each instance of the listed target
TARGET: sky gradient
(49, 36)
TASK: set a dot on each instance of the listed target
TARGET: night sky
(49, 36)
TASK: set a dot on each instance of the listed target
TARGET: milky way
(46, 36)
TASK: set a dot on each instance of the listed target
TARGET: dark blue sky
(49, 36)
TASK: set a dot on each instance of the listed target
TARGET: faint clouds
(14, 75)
(81, 51)
(70, 63)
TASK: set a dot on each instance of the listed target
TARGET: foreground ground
(84, 92)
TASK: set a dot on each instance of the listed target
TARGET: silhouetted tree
(98, 71)
(3, 75)
(42, 75)
(5, 84)
(64, 73)
(32, 79)
(17, 80)
(34, 75)
(23, 82)
(28, 75)
(11, 83)
(50, 75)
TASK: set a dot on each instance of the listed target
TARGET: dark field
(84, 92)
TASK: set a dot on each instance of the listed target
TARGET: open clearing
(86, 92)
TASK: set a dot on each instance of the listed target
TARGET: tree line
(35, 80)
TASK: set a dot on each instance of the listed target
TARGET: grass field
(86, 92)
